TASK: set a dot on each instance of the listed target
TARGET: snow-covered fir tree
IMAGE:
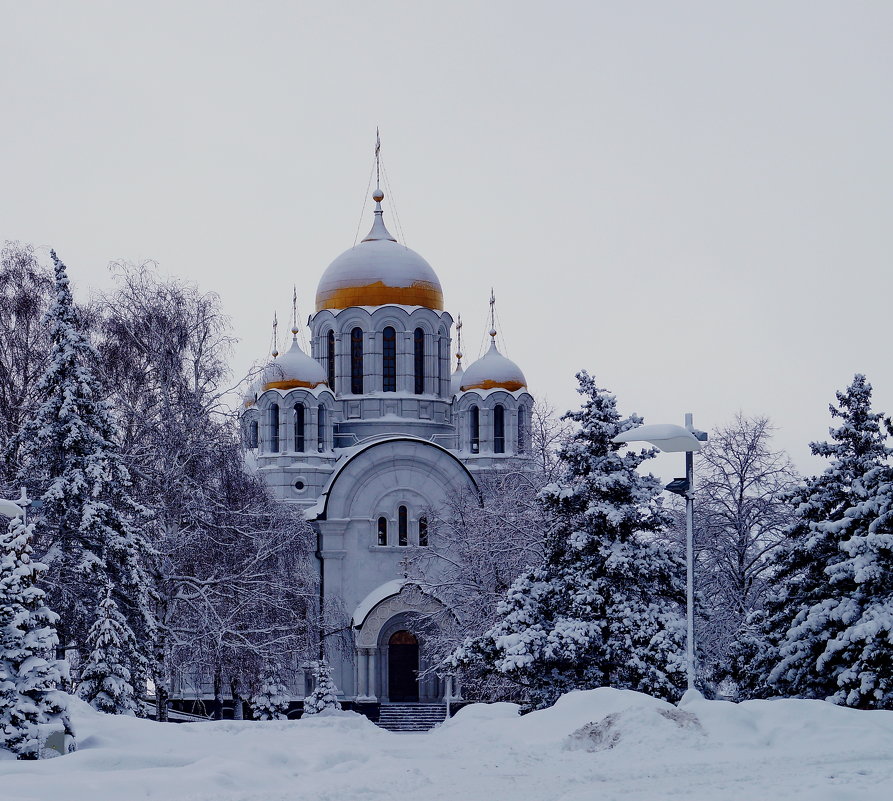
(325, 695)
(31, 705)
(272, 700)
(860, 654)
(605, 605)
(820, 634)
(105, 677)
(90, 535)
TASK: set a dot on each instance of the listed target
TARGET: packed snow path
(639, 748)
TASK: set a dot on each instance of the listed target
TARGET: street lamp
(677, 439)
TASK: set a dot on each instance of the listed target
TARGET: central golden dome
(378, 272)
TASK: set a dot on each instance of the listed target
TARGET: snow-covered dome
(250, 396)
(379, 271)
(493, 371)
(456, 380)
(294, 368)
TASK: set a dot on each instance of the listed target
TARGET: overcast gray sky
(692, 200)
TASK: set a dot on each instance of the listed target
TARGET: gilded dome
(293, 369)
(379, 271)
(493, 371)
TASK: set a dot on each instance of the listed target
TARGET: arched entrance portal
(403, 666)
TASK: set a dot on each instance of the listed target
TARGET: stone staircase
(411, 717)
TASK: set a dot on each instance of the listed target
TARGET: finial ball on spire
(378, 195)
(492, 332)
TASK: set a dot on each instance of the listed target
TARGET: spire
(294, 313)
(275, 335)
(459, 342)
(492, 331)
(378, 227)
(377, 161)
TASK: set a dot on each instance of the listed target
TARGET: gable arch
(380, 468)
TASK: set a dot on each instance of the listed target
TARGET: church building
(368, 433)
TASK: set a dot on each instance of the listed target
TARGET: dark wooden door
(403, 667)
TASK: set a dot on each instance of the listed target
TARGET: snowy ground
(639, 748)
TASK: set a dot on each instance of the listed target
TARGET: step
(409, 717)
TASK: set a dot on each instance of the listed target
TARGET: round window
(299, 485)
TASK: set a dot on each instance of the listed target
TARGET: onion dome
(377, 272)
(493, 371)
(293, 369)
(456, 380)
(250, 396)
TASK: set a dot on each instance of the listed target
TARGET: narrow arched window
(274, 428)
(330, 361)
(499, 428)
(441, 361)
(382, 531)
(402, 526)
(423, 531)
(475, 433)
(299, 427)
(356, 361)
(419, 345)
(389, 359)
(252, 434)
(321, 429)
(522, 431)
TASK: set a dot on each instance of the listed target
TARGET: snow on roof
(374, 598)
(493, 371)
(294, 368)
(380, 261)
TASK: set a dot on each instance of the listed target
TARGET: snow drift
(597, 744)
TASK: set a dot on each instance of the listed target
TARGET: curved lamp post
(677, 439)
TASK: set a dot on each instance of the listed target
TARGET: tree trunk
(217, 706)
(162, 696)
(238, 713)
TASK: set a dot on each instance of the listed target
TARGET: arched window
(389, 359)
(299, 427)
(330, 362)
(499, 428)
(475, 429)
(402, 526)
(382, 531)
(274, 428)
(419, 345)
(423, 531)
(321, 429)
(522, 431)
(441, 361)
(356, 361)
(252, 434)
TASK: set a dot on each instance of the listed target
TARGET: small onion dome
(250, 396)
(377, 272)
(292, 369)
(493, 371)
(456, 380)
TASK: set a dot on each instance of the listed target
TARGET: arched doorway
(403, 666)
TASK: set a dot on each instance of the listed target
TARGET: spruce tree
(605, 606)
(831, 564)
(105, 677)
(860, 654)
(90, 533)
(324, 697)
(31, 705)
(273, 699)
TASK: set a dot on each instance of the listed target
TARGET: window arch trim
(389, 359)
(356, 361)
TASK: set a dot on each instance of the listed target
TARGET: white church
(368, 433)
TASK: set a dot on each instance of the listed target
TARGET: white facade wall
(382, 450)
